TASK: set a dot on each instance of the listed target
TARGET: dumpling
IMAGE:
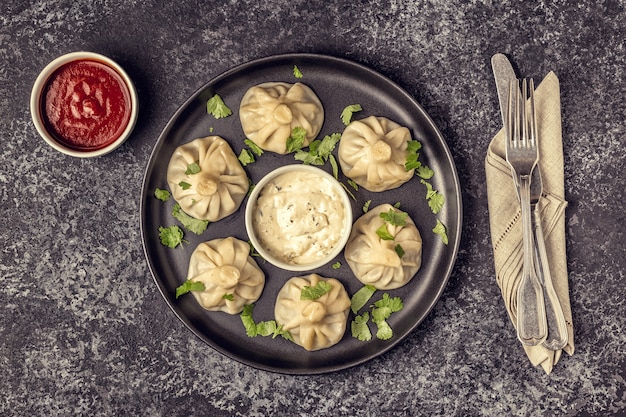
(270, 111)
(373, 151)
(313, 324)
(375, 261)
(230, 276)
(221, 184)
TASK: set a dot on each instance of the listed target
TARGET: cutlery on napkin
(505, 216)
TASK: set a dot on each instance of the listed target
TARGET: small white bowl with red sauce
(84, 104)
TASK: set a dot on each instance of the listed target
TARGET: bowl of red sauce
(84, 104)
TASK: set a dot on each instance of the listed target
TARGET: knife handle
(557, 328)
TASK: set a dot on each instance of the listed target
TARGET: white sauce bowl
(282, 260)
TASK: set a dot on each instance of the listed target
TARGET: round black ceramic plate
(338, 83)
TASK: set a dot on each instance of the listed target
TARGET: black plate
(338, 83)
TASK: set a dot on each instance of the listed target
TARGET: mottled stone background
(83, 329)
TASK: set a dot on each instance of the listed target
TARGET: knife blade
(557, 331)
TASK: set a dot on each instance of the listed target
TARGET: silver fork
(522, 156)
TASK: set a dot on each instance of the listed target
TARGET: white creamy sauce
(299, 217)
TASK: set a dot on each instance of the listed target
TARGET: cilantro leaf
(366, 206)
(296, 72)
(162, 195)
(399, 250)
(383, 232)
(412, 156)
(423, 171)
(394, 304)
(384, 331)
(336, 265)
(335, 167)
(253, 147)
(188, 286)
(308, 158)
(246, 157)
(263, 328)
(361, 297)
(327, 145)
(440, 230)
(171, 236)
(313, 293)
(248, 321)
(434, 199)
(295, 142)
(216, 107)
(229, 297)
(345, 187)
(394, 217)
(193, 168)
(266, 328)
(190, 223)
(348, 111)
(360, 329)
(184, 185)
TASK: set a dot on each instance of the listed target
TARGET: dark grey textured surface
(83, 329)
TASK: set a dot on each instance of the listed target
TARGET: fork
(522, 155)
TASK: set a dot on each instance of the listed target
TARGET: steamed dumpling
(270, 111)
(230, 276)
(375, 261)
(313, 324)
(218, 189)
(373, 151)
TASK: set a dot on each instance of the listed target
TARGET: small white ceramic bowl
(341, 198)
(37, 105)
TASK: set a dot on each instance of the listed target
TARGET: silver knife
(557, 330)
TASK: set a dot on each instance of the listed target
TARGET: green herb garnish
(188, 286)
(246, 157)
(184, 185)
(336, 265)
(171, 236)
(229, 297)
(413, 147)
(348, 111)
(361, 297)
(253, 147)
(296, 72)
(319, 150)
(162, 195)
(441, 231)
(359, 328)
(190, 223)
(434, 199)
(263, 328)
(382, 310)
(216, 107)
(313, 293)
(394, 217)
(423, 171)
(383, 232)
(295, 142)
(399, 250)
(366, 206)
(193, 168)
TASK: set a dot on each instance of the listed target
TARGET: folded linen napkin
(505, 215)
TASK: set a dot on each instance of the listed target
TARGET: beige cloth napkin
(505, 215)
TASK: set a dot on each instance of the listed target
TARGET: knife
(557, 329)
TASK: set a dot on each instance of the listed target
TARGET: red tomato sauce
(86, 105)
